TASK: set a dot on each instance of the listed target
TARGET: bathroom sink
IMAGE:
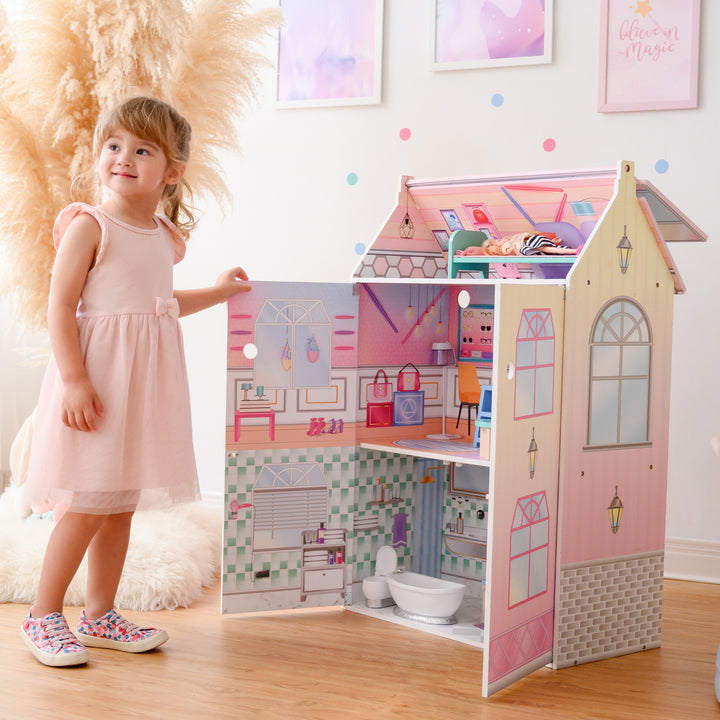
(467, 545)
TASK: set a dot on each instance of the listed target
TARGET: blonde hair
(156, 121)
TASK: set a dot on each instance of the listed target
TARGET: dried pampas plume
(69, 59)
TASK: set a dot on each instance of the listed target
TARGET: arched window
(535, 364)
(620, 349)
(293, 341)
(529, 549)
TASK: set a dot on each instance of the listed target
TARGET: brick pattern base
(608, 608)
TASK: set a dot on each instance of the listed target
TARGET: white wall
(295, 217)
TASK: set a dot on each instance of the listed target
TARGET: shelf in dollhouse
(386, 502)
(323, 546)
(469, 457)
(319, 575)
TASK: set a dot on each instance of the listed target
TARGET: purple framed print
(649, 53)
(470, 34)
(330, 53)
(443, 239)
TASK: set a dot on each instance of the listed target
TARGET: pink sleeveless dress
(132, 347)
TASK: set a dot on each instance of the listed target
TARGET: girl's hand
(81, 406)
(231, 282)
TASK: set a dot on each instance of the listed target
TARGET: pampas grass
(69, 59)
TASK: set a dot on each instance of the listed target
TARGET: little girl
(113, 418)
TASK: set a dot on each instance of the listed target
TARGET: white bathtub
(425, 596)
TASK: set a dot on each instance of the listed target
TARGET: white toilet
(375, 588)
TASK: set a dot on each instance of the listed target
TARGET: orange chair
(469, 390)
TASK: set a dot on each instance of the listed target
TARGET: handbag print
(409, 379)
(379, 390)
(379, 414)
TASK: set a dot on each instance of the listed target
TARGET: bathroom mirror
(470, 480)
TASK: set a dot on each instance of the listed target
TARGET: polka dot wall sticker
(549, 145)
(497, 99)
(360, 249)
(405, 134)
(352, 178)
(662, 166)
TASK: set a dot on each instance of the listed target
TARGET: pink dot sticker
(549, 145)
(405, 134)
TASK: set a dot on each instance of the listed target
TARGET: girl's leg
(106, 558)
(100, 625)
(67, 545)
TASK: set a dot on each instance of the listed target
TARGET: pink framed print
(469, 34)
(649, 53)
(330, 53)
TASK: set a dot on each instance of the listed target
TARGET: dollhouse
(499, 420)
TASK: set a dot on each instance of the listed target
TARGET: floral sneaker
(51, 642)
(113, 631)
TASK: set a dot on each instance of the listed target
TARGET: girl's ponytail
(176, 207)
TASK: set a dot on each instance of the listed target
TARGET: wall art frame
(649, 55)
(469, 34)
(330, 53)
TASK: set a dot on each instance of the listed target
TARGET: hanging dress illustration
(286, 355)
(312, 351)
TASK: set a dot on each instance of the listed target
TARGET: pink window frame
(527, 316)
(536, 500)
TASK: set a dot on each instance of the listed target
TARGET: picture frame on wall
(330, 53)
(443, 239)
(649, 55)
(451, 219)
(468, 34)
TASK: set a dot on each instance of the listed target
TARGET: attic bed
(504, 266)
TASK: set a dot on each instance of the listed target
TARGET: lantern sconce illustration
(407, 229)
(624, 249)
(615, 508)
(532, 454)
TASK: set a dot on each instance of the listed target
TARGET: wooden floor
(328, 664)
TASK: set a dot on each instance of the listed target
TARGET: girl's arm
(81, 406)
(229, 283)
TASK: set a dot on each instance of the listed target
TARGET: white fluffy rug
(174, 553)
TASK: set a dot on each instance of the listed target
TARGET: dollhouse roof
(413, 242)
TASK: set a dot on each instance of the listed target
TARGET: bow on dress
(167, 307)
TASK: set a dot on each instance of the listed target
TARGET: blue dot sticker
(497, 99)
(360, 249)
(662, 166)
(352, 178)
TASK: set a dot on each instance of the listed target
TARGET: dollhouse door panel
(291, 447)
(522, 522)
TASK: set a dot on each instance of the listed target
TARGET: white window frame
(287, 499)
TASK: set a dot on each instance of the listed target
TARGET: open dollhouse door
(523, 509)
(290, 446)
